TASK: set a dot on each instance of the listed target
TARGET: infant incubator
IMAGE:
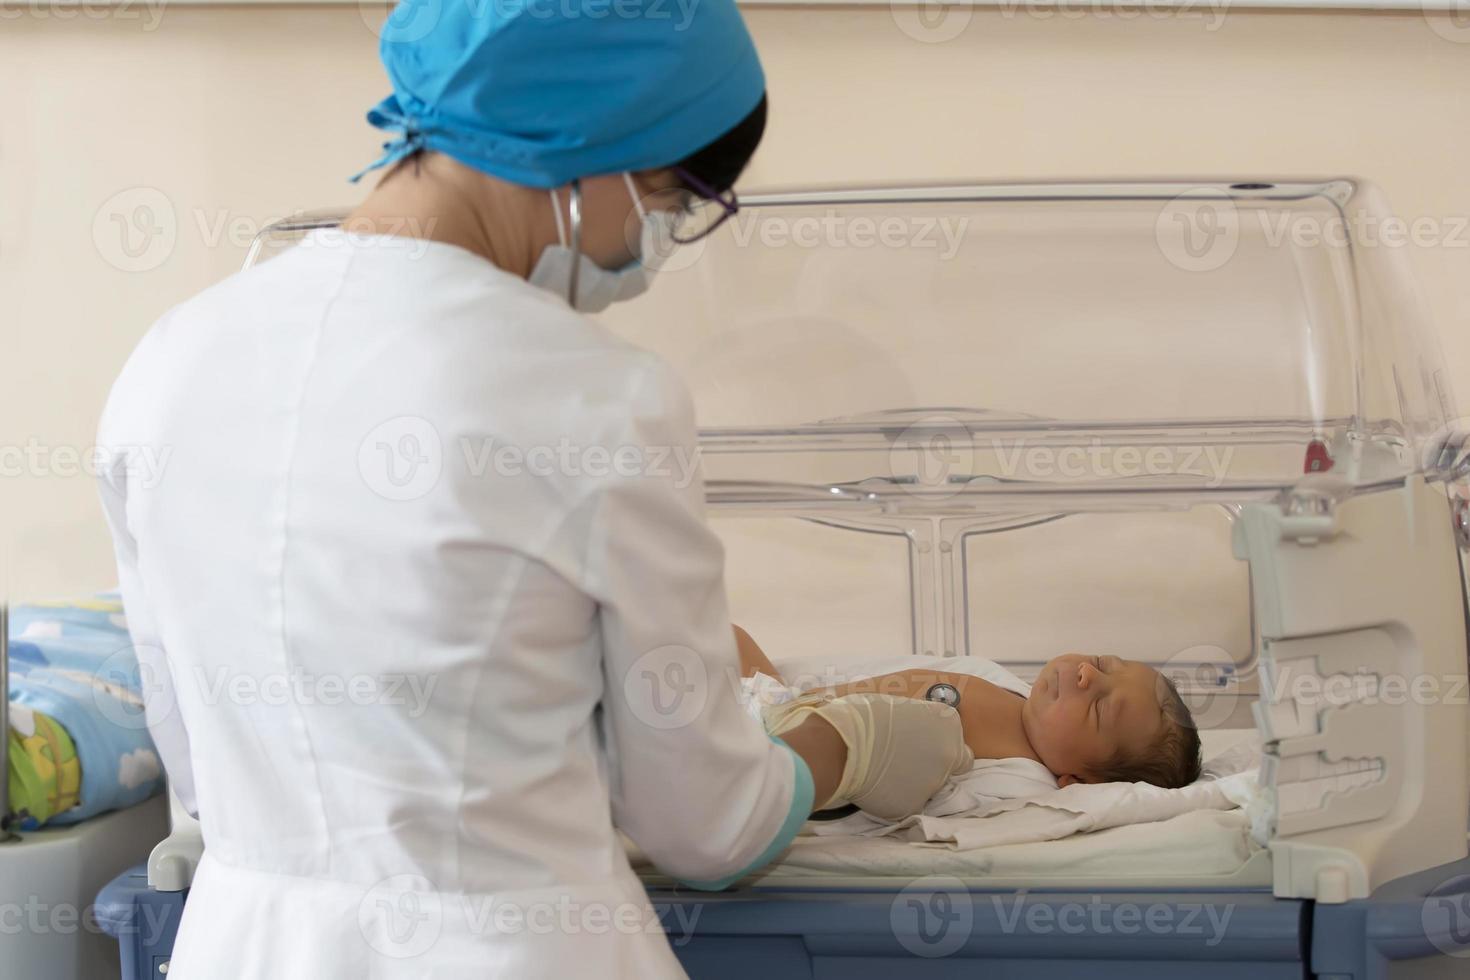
(1204, 425)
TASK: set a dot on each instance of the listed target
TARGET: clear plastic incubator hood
(1201, 424)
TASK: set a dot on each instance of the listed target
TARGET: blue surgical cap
(539, 92)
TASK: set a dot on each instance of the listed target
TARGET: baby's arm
(912, 683)
(753, 659)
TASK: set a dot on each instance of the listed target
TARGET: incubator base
(936, 928)
(144, 922)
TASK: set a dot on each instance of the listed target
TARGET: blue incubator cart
(1202, 424)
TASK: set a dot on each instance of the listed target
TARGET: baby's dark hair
(1173, 759)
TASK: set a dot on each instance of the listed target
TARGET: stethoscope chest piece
(944, 694)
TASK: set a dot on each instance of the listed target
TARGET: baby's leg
(753, 659)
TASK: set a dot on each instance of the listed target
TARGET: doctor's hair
(720, 162)
(1172, 760)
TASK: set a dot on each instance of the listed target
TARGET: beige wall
(229, 117)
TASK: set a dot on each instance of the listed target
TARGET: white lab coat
(410, 687)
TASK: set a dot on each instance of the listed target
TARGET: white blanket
(1200, 843)
(1075, 809)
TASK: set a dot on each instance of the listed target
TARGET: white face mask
(599, 288)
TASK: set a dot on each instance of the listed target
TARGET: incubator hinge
(1300, 522)
(1307, 513)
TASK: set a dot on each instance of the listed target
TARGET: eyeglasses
(702, 210)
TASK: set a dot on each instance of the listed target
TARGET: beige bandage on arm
(900, 751)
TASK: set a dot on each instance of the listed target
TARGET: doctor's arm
(160, 705)
(693, 779)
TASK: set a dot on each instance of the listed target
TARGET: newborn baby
(1087, 719)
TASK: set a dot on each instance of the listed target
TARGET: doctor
(424, 609)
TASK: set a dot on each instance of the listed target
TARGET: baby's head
(1101, 719)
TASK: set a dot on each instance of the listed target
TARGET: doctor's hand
(899, 751)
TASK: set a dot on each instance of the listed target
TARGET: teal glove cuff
(802, 800)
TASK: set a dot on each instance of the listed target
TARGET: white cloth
(1075, 809)
(376, 645)
(1200, 842)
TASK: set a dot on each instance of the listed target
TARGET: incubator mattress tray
(1201, 849)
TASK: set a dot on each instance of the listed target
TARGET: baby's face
(1083, 711)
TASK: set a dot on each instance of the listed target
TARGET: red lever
(1319, 460)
